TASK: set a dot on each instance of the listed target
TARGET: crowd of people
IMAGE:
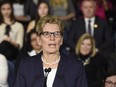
(75, 40)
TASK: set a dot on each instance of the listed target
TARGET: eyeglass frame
(51, 33)
(110, 83)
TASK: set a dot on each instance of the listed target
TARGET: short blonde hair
(49, 19)
(82, 38)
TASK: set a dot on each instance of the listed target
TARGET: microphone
(47, 71)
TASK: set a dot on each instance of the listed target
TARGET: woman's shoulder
(98, 59)
(31, 25)
(99, 56)
(72, 60)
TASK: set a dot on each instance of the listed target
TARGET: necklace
(86, 62)
(50, 63)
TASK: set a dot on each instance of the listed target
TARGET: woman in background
(31, 48)
(64, 9)
(42, 10)
(93, 61)
(11, 31)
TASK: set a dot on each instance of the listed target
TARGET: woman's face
(6, 10)
(110, 81)
(43, 10)
(34, 43)
(52, 43)
(85, 47)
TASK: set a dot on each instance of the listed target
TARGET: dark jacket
(95, 69)
(70, 73)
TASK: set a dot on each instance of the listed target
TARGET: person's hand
(63, 18)
(7, 38)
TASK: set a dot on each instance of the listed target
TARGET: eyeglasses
(48, 34)
(110, 84)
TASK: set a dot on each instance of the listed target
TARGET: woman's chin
(52, 51)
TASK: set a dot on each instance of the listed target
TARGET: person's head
(42, 9)
(86, 45)
(50, 29)
(6, 11)
(88, 8)
(110, 79)
(32, 40)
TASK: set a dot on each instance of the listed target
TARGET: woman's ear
(39, 41)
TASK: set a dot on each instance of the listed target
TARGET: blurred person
(94, 62)
(77, 7)
(31, 48)
(50, 68)
(64, 9)
(42, 10)
(11, 32)
(104, 9)
(110, 79)
(3, 71)
(93, 25)
(19, 13)
(35, 48)
(30, 8)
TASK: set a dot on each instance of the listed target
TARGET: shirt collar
(92, 19)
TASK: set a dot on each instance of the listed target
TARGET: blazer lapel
(39, 74)
(96, 27)
(83, 26)
(58, 82)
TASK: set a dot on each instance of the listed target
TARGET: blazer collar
(40, 74)
(39, 71)
(60, 73)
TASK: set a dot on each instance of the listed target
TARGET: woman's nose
(52, 37)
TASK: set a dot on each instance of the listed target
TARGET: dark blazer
(70, 73)
(102, 34)
(95, 69)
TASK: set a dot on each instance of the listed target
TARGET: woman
(11, 31)
(30, 8)
(110, 79)
(64, 9)
(42, 10)
(35, 48)
(3, 71)
(50, 68)
(93, 61)
(31, 48)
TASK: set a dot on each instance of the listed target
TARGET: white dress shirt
(32, 53)
(51, 77)
(92, 24)
(3, 71)
(16, 33)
